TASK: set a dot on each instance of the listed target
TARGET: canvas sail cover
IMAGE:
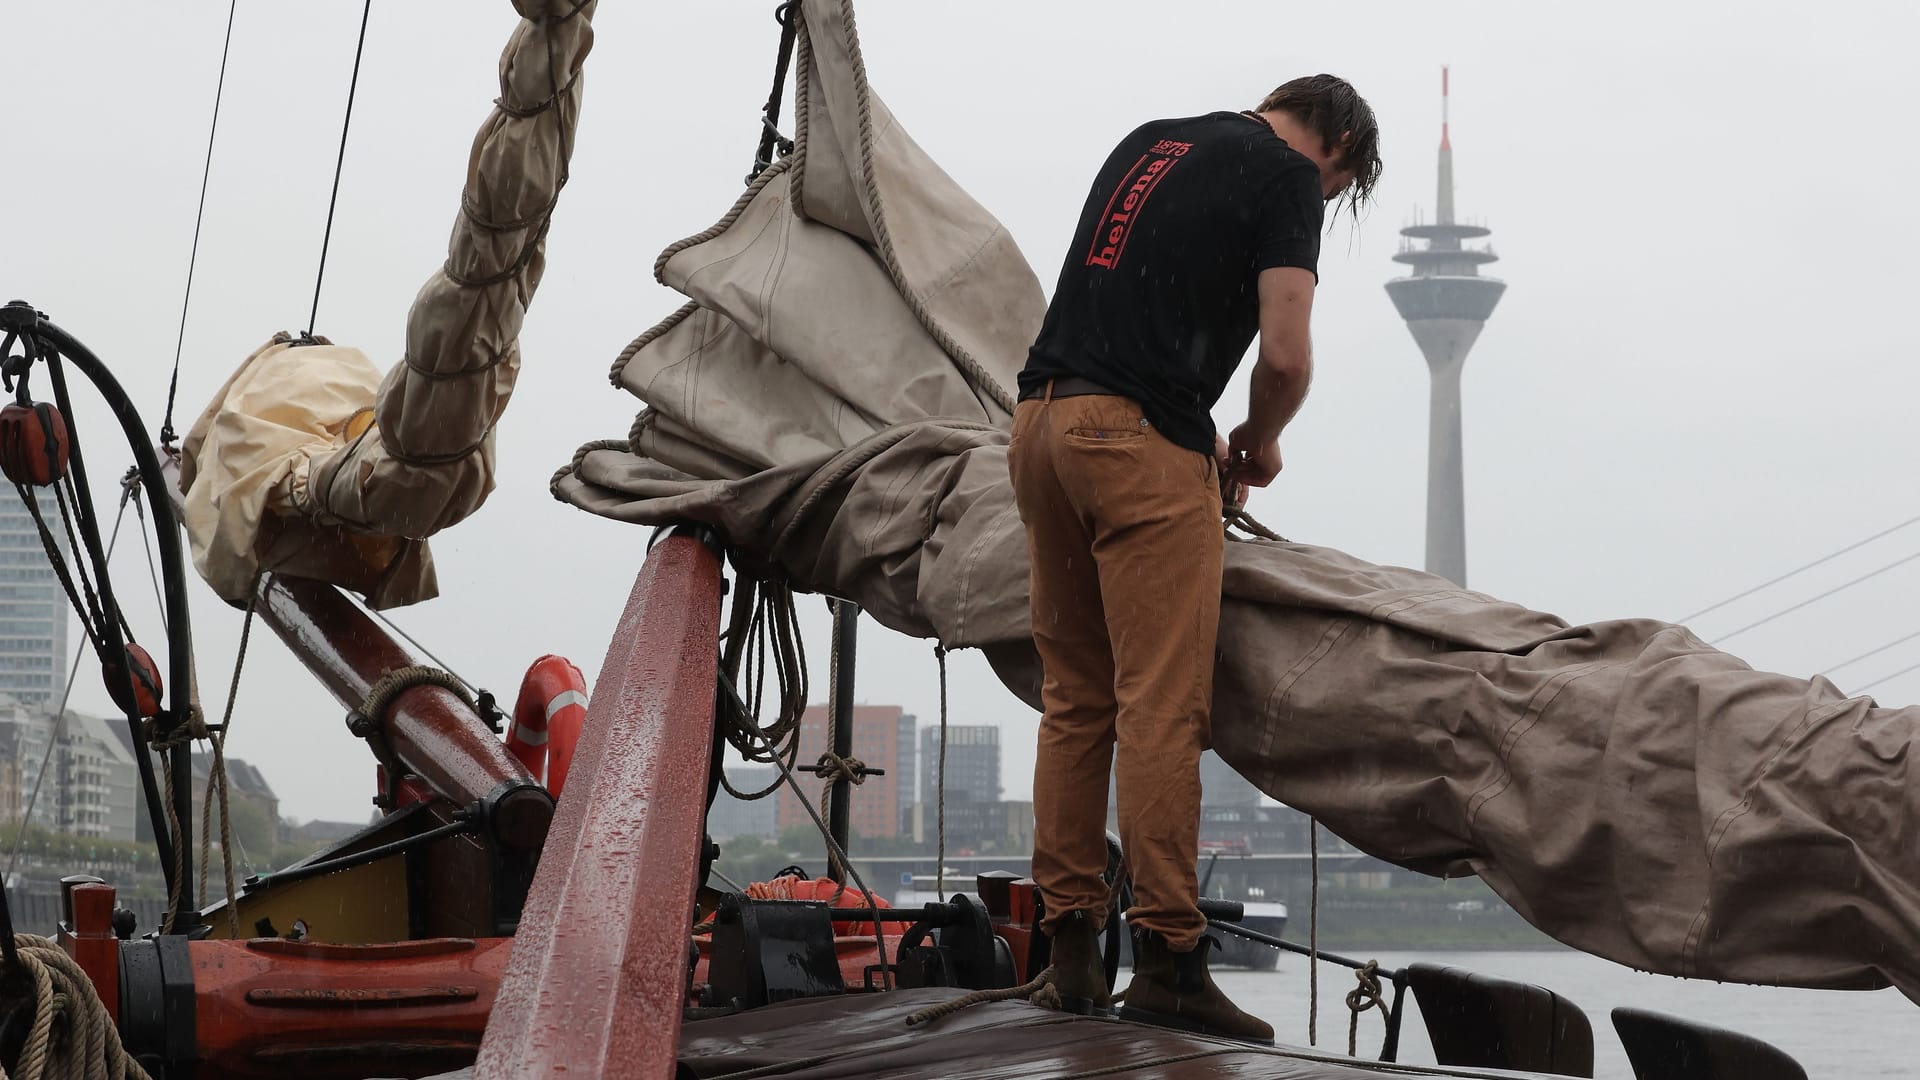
(308, 461)
(834, 401)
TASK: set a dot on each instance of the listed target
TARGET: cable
(339, 164)
(411, 640)
(59, 721)
(206, 173)
(1821, 596)
(1798, 570)
(1888, 678)
(1871, 652)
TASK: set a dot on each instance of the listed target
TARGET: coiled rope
(72, 1037)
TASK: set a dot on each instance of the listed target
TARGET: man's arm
(1280, 375)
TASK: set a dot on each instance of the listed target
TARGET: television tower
(1445, 302)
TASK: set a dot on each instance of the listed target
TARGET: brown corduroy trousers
(1125, 539)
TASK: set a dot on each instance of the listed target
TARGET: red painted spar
(597, 979)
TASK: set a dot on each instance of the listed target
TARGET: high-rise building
(33, 611)
(883, 738)
(1446, 304)
(973, 763)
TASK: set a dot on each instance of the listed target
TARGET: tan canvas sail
(309, 462)
(1627, 788)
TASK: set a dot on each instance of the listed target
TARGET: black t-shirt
(1158, 297)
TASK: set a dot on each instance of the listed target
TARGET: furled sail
(308, 461)
(833, 402)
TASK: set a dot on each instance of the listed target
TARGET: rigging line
(1887, 678)
(59, 721)
(1820, 596)
(411, 640)
(1871, 652)
(206, 173)
(153, 572)
(338, 164)
(1799, 570)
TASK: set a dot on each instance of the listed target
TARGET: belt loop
(1047, 398)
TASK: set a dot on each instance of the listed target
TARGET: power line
(1820, 596)
(1798, 570)
(1871, 652)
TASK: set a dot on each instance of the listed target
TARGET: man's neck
(1288, 127)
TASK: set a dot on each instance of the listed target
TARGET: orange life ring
(547, 719)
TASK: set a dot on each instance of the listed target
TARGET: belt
(1067, 386)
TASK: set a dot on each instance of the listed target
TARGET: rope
(1233, 508)
(1238, 518)
(940, 867)
(835, 852)
(1360, 999)
(339, 165)
(1313, 936)
(772, 612)
(834, 769)
(765, 626)
(770, 137)
(1032, 989)
(206, 173)
(72, 1037)
(411, 640)
(217, 779)
(647, 337)
(401, 679)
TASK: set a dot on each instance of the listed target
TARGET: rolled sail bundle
(832, 401)
(308, 461)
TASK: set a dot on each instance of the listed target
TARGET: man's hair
(1330, 107)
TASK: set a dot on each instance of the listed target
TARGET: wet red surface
(594, 986)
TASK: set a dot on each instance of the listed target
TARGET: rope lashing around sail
(72, 1036)
(381, 695)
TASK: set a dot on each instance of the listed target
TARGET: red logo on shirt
(1129, 198)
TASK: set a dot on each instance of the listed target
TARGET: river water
(1832, 1034)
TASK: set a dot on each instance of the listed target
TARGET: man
(1197, 233)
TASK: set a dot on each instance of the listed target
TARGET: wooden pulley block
(33, 443)
(135, 685)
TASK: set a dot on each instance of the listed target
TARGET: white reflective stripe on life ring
(529, 737)
(564, 699)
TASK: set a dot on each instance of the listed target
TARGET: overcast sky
(1702, 373)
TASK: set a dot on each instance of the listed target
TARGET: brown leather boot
(1174, 990)
(1078, 976)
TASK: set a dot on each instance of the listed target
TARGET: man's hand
(1253, 462)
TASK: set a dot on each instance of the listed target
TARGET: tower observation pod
(1445, 302)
